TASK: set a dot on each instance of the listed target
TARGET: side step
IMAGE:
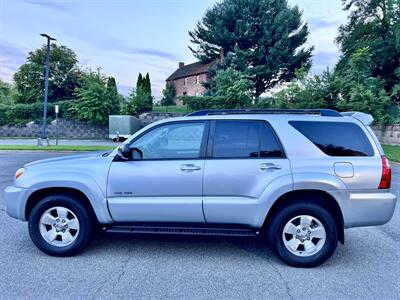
(167, 230)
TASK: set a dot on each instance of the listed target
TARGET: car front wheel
(60, 225)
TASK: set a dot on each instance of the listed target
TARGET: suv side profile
(296, 177)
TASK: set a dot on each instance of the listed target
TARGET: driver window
(172, 141)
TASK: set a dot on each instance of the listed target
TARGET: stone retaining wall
(388, 134)
(66, 129)
(150, 117)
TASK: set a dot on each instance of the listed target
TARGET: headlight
(19, 172)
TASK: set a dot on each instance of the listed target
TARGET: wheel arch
(311, 195)
(38, 195)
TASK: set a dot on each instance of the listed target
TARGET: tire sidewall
(85, 225)
(316, 211)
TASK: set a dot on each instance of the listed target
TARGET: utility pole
(46, 87)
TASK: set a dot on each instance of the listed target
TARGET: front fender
(74, 180)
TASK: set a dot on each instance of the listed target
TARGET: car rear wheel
(60, 225)
(303, 234)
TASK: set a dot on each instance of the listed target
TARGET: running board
(148, 230)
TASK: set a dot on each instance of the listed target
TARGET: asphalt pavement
(367, 266)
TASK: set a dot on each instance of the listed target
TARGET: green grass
(55, 148)
(392, 152)
(173, 109)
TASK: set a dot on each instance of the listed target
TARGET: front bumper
(368, 209)
(15, 201)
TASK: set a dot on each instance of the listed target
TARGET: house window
(185, 81)
(197, 79)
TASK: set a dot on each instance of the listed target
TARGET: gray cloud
(11, 57)
(107, 43)
(54, 5)
(318, 23)
(322, 60)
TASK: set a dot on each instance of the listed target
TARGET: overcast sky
(127, 37)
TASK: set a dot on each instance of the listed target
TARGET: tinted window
(244, 139)
(172, 141)
(336, 138)
(269, 145)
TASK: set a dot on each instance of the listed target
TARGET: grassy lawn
(56, 148)
(392, 152)
(173, 109)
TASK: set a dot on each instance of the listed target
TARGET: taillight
(386, 174)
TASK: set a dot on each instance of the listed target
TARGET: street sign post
(56, 110)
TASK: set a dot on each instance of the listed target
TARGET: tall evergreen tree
(147, 83)
(139, 82)
(114, 97)
(262, 38)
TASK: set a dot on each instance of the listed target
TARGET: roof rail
(364, 118)
(208, 112)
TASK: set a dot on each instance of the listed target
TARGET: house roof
(191, 70)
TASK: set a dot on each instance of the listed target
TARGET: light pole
(46, 85)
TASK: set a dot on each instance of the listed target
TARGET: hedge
(20, 114)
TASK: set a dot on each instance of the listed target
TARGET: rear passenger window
(336, 138)
(244, 139)
(269, 145)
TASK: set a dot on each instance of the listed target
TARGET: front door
(166, 184)
(243, 158)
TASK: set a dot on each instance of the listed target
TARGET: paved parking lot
(366, 267)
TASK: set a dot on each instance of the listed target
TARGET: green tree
(169, 94)
(318, 91)
(234, 87)
(114, 97)
(139, 81)
(63, 75)
(8, 93)
(360, 90)
(372, 24)
(262, 38)
(95, 100)
(139, 99)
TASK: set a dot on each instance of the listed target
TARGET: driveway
(367, 266)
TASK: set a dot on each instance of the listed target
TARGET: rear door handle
(190, 167)
(269, 167)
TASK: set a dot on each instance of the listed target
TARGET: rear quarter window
(336, 138)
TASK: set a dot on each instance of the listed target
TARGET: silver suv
(296, 177)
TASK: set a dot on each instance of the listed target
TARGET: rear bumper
(367, 209)
(15, 201)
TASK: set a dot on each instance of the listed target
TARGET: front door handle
(190, 167)
(269, 167)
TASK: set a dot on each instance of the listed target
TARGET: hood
(67, 158)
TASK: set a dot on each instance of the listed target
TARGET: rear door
(243, 157)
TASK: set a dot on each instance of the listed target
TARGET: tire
(293, 244)
(60, 225)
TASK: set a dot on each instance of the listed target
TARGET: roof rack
(322, 112)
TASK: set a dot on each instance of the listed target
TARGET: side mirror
(124, 151)
(137, 154)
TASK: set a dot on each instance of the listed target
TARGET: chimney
(181, 64)
(222, 56)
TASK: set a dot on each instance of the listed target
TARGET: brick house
(188, 79)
